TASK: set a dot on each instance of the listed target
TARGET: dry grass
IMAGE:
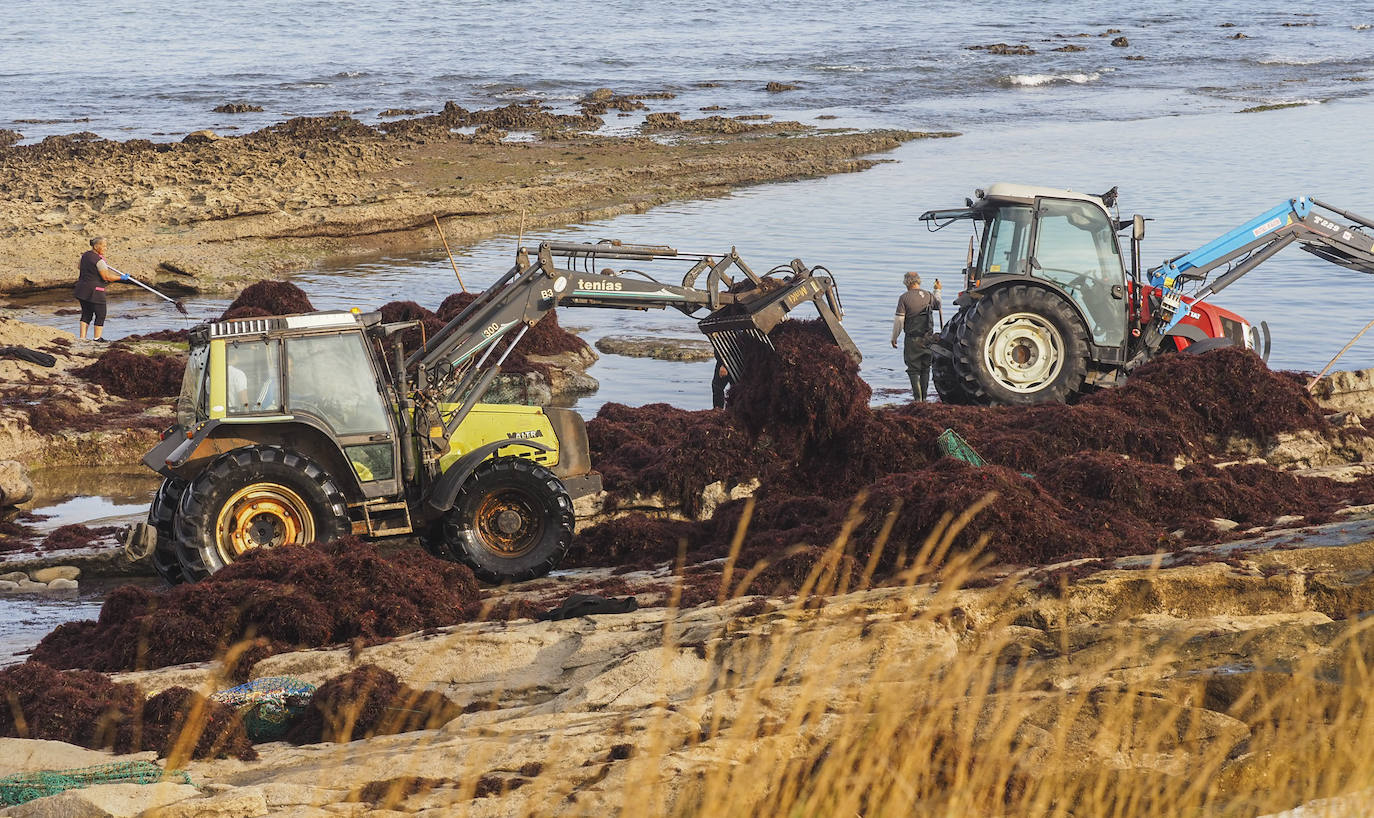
(909, 706)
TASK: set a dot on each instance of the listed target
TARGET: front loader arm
(1255, 242)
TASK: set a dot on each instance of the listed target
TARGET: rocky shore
(215, 213)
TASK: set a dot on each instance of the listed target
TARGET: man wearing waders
(914, 317)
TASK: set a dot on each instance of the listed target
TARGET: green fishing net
(23, 787)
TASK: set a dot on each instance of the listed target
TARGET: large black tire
(1021, 345)
(512, 521)
(948, 384)
(255, 497)
(161, 515)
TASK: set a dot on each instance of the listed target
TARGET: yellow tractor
(301, 428)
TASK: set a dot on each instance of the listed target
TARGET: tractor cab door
(1075, 248)
(331, 378)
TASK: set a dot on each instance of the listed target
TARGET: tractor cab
(1058, 238)
(310, 380)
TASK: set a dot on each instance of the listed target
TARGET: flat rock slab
(105, 801)
(651, 346)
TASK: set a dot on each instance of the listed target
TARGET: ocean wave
(350, 75)
(1296, 61)
(856, 69)
(1033, 80)
(1361, 26)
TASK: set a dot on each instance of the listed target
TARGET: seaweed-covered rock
(369, 701)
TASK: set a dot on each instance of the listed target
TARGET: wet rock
(1238, 36)
(1021, 50)
(66, 572)
(1121, 42)
(200, 137)
(237, 108)
(663, 349)
(15, 485)
(8, 585)
(14, 576)
(779, 87)
(61, 584)
(9, 137)
(395, 112)
(1070, 48)
(1223, 524)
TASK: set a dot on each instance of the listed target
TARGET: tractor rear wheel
(512, 521)
(948, 384)
(161, 516)
(1021, 345)
(255, 497)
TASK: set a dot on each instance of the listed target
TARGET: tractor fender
(1192, 333)
(445, 490)
(1003, 282)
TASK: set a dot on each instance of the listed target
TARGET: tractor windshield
(1005, 242)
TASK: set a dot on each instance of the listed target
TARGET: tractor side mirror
(1137, 227)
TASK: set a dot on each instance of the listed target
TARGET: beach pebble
(1223, 524)
(1287, 519)
(53, 572)
(14, 576)
(62, 584)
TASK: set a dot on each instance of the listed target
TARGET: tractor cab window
(329, 376)
(1076, 249)
(194, 397)
(253, 377)
(1005, 242)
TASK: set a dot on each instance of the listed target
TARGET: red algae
(369, 701)
(1092, 480)
(285, 598)
(272, 298)
(130, 375)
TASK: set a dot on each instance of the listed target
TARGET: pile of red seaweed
(130, 375)
(87, 709)
(1096, 479)
(369, 701)
(283, 598)
(268, 298)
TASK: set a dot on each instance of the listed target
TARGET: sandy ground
(216, 214)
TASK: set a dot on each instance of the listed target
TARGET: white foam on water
(855, 69)
(1295, 61)
(1034, 80)
(1361, 26)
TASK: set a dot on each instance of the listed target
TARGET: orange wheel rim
(262, 515)
(509, 523)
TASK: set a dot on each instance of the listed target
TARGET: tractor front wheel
(255, 497)
(512, 521)
(1021, 345)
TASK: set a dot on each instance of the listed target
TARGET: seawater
(157, 68)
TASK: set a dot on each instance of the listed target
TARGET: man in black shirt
(93, 273)
(914, 318)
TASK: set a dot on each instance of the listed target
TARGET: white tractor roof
(1006, 191)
